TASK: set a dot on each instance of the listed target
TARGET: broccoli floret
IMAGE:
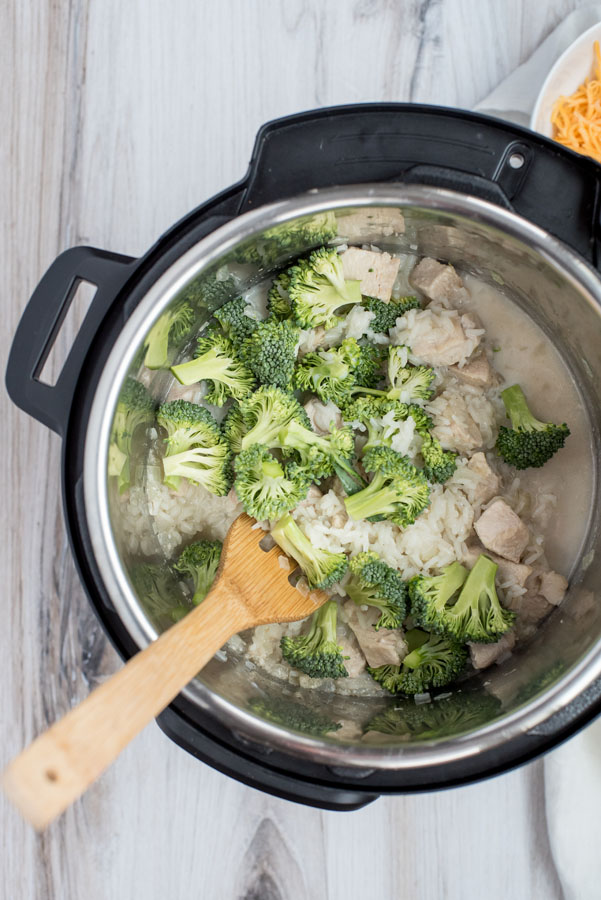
(478, 615)
(266, 489)
(135, 407)
(528, 443)
(207, 291)
(439, 464)
(429, 595)
(319, 454)
(368, 371)
(386, 314)
(398, 491)
(217, 362)
(317, 653)
(293, 715)
(376, 584)
(321, 567)
(444, 718)
(278, 299)
(407, 383)
(317, 289)
(195, 448)
(329, 373)
(158, 592)
(199, 562)
(234, 321)
(290, 238)
(171, 326)
(259, 418)
(432, 661)
(270, 352)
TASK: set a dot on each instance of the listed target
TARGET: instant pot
(495, 200)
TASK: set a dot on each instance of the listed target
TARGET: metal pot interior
(557, 290)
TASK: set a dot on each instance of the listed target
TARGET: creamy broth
(526, 356)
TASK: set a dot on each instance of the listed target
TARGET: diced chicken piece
(490, 483)
(371, 223)
(381, 648)
(517, 573)
(321, 415)
(441, 347)
(502, 531)
(355, 664)
(437, 281)
(553, 587)
(484, 655)
(476, 372)
(530, 609)
(376, 271)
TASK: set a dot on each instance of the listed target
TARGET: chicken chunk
(490, 481)
(484, 655)
(502, 531)
(476, 372)
(517, 573)
(354, 660)
(381, 648)
(437, 281)
(530, 609)
(321, 415)
(440, 346)
(553, 587)
(376, 271)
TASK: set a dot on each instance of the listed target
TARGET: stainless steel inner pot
(539, 273)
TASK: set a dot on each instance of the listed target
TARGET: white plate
(568, 73)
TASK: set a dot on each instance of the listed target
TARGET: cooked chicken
(489, 486)
(376, 271)
(530, 610)
(484, 655)
(553, 587)
(381, 648)
(502, 530)
(321, 415)
(441, 346)
(437, 281)
(355, 664)
(476, 372)
(517, 573)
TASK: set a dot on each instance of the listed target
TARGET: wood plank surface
(117, 119)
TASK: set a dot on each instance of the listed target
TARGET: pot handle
(41, 322)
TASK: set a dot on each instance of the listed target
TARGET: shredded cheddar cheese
(577, 119)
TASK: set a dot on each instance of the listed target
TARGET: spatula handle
(61, 764)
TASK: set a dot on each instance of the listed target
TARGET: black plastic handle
(41, 322)
(412, 143)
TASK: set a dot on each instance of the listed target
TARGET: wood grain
(118, 118)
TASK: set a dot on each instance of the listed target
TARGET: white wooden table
(116, 119)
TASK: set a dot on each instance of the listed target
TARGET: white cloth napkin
(515, 97)
(573, 771)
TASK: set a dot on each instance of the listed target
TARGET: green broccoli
(528, 443)
(278, 300)
(290, 714)
(317, 289)
(432, 661)
(260, 418)
(321, 567)
(439, 464)
(135, 407)
(329, 373)
(217, 362)
(407, 383)
(171, 326)
(212, 290)
(374, 583)
(369, 410)
(319, 454)
(478, 615)
(159, 593)
(398, 491)
(368, 370)
(199, 562)
(195, 448)
(445, 717)
(386, 314)
(234, 321)
(429, 595)
(270, 352)
(279, 243)
(266, 489)
(317, 653)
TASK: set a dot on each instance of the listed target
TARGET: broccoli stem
(517, 409)
(376, 499)
(292, 541)
(211, 366)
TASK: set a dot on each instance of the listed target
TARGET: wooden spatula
(250, 588)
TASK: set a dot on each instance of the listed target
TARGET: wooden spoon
(250, 588)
